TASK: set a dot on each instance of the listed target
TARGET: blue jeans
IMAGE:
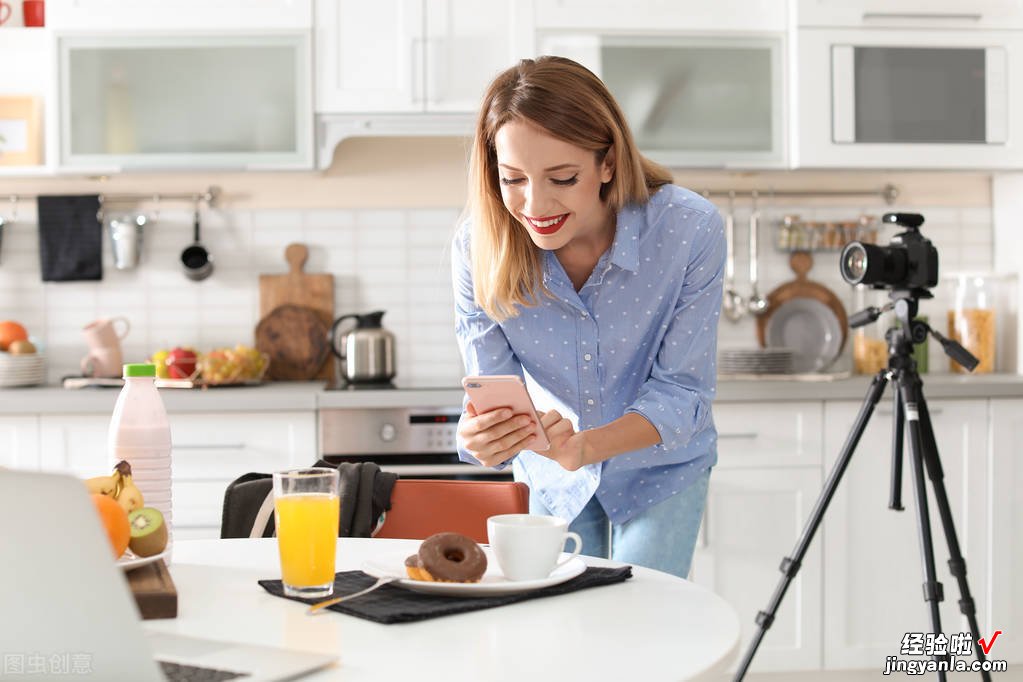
(662, 537)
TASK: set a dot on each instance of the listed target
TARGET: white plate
(129, 561)
(493, 583)
(808, 327)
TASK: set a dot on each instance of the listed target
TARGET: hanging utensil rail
(889, 193)
(210, 196)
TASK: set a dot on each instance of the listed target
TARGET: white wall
(381, 220)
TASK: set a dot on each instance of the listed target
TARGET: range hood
(331, 129)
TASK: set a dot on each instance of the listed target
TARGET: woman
(583, 270)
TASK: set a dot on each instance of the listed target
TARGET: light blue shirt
(640, 336)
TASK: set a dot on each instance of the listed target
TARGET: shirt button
(587, 357)
(583, 316)
(589, 401)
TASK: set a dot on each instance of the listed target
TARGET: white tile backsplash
(392, 260)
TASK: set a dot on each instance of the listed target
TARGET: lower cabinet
(19, 442)
(1004, 600)
(209, 451)
(752, 520)
(873, 592)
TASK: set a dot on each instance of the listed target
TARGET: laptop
(67, 609)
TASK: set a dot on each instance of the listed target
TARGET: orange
(115, 522)
(11, 331)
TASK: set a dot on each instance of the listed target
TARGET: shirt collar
(625, 248)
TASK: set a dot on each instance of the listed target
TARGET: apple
(181, 363)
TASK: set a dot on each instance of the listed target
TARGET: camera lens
(854, 263)
(871, 264)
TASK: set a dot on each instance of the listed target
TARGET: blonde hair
(570, 103)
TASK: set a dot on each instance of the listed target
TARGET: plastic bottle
(140, 433)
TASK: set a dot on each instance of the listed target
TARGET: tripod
(912, 415)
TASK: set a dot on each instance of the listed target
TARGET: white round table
(653, 626)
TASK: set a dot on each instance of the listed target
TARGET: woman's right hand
(496, 436)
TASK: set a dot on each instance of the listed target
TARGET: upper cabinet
(169, 100)
(909, 14)
(662, 15)
(414, 56)
(197, 15)
(692, 101)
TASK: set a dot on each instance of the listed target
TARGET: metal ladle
(757, 304)
(733, 305)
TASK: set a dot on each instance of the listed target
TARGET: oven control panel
(345, 431)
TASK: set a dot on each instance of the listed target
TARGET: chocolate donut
(451, 557)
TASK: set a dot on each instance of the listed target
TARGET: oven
(413, 442)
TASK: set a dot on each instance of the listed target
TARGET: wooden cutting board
(154, 591)
(295, 339)
(300, 288)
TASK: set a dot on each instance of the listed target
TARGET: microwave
(909, 98)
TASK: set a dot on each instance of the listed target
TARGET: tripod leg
(909, 390)
(956, 562)
(790, 565)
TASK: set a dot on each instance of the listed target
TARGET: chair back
(422, 507)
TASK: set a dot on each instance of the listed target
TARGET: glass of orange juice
(306, 508)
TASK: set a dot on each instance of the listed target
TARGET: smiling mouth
(547, 226)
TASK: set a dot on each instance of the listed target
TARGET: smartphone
(505, 390)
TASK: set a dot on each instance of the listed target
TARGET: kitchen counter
(313, 395)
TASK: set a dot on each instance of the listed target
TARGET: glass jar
(788, 233)
(972, 321)
(870, 349)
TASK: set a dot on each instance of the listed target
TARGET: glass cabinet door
(185, 101)
(714, 102)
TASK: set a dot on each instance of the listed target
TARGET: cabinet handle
(751, 435)
(951, 16)
(210, 446)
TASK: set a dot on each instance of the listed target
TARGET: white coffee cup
(527, 545)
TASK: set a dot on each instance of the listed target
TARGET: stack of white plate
(755, 360)
(22, 370)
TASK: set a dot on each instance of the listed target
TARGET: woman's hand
(496, 436)
(567, 445)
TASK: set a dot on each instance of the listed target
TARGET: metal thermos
(366, 352)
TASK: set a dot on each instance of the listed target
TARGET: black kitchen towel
(365, 493)
(390, 604)
(70, 238)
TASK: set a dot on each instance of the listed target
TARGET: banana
(103, 485)
(128, 496)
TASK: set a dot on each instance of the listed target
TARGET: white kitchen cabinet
(19, 442)
(873, 593)
(405, 56)
(761, 434)
(662, 15)
(692, 99)
(132, 101)
(209, 451)
(910, 14)
(753, 519)
(159, 15)
(1004, 599)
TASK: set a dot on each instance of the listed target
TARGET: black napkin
(70, 238)
(391, 604)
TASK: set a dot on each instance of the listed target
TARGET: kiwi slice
(148, 532)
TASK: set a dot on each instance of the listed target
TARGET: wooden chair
(422, 507)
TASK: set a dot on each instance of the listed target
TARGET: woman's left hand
(567, 445)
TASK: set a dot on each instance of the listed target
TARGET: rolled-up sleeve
(481, 341)
(677, 396)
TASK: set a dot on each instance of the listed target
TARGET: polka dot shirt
(640, 336)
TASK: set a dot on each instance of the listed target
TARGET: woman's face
(552, 187)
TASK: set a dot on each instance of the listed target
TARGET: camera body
(909, 261)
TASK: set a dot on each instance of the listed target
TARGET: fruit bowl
(22, 370)
(232, 366)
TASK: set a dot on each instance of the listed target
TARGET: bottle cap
(141, 369)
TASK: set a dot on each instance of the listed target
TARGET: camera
(910, 261)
